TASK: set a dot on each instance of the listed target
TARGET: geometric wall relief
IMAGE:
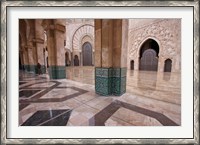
(168, 38)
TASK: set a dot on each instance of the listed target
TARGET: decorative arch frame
(75, 32)
(144, 40)
(91, 41)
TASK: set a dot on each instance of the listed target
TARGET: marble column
(31, 67)
(32, 52)
(25, 58)
(39, 41)
(56, 52)
(110, 56)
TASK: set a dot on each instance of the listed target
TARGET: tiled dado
(34, 69)
(110, 81)
(26, 67)
(57, 72)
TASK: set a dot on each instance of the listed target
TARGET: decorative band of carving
(38, 40)
(57, 27)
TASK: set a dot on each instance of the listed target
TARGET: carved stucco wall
(78, 32)
(166, 32)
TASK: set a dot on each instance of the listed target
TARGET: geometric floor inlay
(21, 83)
(27, 93)
(49, 118)
(100, 118)
(73, 101)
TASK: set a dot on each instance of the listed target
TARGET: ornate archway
(148, 59)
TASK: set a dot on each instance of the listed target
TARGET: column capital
(58, 27)
(38, 40)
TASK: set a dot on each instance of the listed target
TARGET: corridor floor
(151, 99)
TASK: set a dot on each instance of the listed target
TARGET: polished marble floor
(151, 99)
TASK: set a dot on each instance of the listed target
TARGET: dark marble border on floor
(24, 105)
(100, 118)
(49, 118)
(28, 93)
(37, 98)
(22, 82)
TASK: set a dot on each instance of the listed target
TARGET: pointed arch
(148, 55)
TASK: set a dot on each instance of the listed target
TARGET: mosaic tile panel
(118, 81)
(57, 72)
(110, 81)
(123, 85)
(116, 72)
(33, 68)
(103, 85)
(26, 67)
(103, 72)
(123, 72)
(43, 68)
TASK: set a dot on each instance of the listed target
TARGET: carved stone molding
(38, 40)
(166, 37)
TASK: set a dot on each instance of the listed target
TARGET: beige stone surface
(98, 54)
(166, 32)
(114, 42)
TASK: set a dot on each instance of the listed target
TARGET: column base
(57, 72)
(119, 81)
(26, 67)
(43, 68)
(33, 68)
(110, 81)
(42, 71)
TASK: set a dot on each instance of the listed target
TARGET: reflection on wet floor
(151, 99)
(150, 84)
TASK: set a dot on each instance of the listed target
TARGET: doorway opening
(132, 64)
(76, 60)
(87, 54)
(168, 65)
(148, 59)
(67, 61)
